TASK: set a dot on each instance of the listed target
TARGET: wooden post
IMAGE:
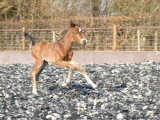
(97, 45)
(54, 36)
(156, 41)
(139, 41)
(133, 41)
(23, 39)
(114, 38)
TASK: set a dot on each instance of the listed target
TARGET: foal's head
(77, 34)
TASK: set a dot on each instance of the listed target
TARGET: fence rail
(99, 39)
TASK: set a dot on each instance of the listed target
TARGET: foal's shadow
(72, 86)
(86, 89)
(77, 88)
(117, 88)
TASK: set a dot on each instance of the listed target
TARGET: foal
(59, 53)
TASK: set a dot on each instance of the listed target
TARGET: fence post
(54, 36)
(156, 40)
(139, 41)
(23, 39)
(114, 37)
(97, 45)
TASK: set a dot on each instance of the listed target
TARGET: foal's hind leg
(44, 64)
(33, 75)
(35, 72)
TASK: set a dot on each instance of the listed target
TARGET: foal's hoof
(35, 93)
(95, 87)
(64, 85)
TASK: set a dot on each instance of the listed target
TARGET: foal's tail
(29, 37)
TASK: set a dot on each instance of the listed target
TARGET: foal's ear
(72, 24)
(78, 24)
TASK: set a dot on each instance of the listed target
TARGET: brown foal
(59, 53)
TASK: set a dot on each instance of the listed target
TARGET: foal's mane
(65, 31)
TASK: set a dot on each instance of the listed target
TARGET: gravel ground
(126, 92)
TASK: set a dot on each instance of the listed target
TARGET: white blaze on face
(80, 30)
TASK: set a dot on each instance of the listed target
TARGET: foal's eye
(75, 33)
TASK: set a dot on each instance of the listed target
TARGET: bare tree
(140, 12)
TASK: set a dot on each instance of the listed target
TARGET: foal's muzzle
(84, 42)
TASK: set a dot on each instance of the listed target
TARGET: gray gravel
(126, 92)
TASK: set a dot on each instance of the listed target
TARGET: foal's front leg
(81, 69)
(68, 81)
(72, 64)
